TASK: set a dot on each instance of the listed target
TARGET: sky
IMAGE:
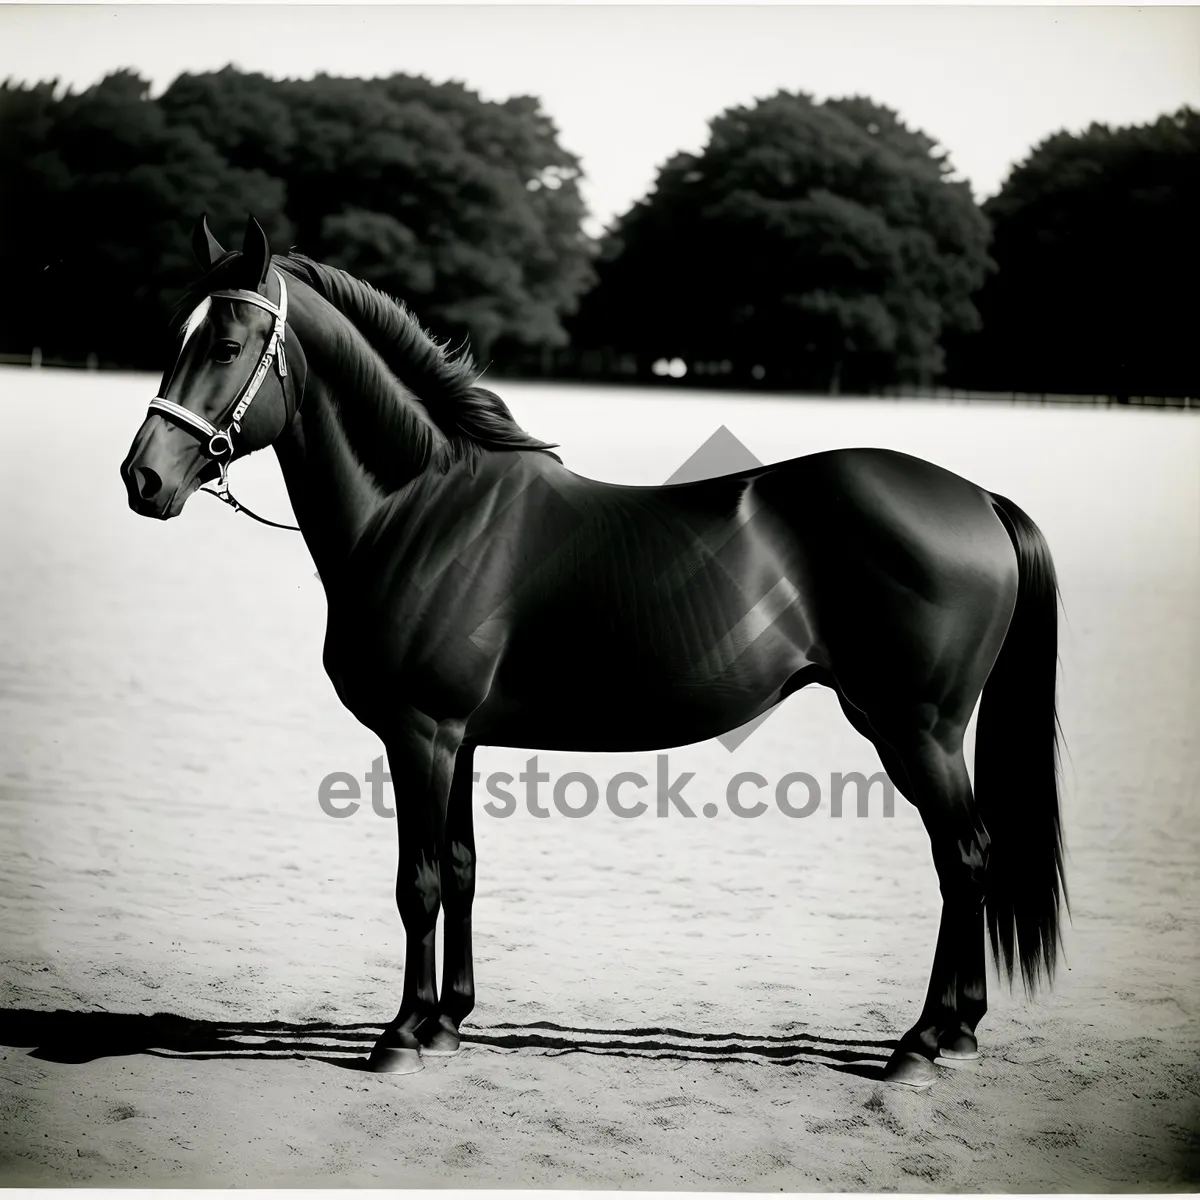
(628, 86)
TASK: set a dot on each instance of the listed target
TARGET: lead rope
(222, 492)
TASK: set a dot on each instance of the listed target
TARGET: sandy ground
(195, 959)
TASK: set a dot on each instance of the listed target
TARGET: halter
(219, 444)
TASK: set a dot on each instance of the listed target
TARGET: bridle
(217, 441)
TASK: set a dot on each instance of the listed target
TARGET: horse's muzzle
(163, 468)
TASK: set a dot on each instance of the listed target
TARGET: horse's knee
(418, 894)
(458, 877)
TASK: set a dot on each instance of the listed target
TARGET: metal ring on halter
(220, 436)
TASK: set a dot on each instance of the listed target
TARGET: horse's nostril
(148, 482)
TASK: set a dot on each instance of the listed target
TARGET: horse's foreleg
(440, 1035)
(421, 757)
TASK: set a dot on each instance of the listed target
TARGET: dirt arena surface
(195, 959)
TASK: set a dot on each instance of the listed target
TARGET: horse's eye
(226, 351)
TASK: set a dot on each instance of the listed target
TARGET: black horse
(481, 593)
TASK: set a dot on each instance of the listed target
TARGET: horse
(480, 593)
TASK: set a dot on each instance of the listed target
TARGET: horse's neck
(332, 495)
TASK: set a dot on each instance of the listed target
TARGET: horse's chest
(405, 648)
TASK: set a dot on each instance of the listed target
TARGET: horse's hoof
(439, 1038)
(960, 1052)
(909, 1069)
(957, 1064)
(394, 1060)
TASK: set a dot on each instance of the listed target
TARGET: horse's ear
(205, 247)
(256, 255)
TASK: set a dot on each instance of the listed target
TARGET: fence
(899, 392)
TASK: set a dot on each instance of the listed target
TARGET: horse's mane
(407, 364)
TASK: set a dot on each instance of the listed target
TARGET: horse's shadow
(82, 1037)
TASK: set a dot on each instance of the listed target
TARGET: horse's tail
(1016, 767)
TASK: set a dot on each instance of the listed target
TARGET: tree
(101, 194)
(827, 243)
(31, 171)
(468, 209)
(1097, 246)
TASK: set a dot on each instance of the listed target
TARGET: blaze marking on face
(197, 317)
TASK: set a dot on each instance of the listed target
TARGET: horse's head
(232, 388)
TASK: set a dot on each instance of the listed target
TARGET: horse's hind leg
(927, 766)
(933, 775)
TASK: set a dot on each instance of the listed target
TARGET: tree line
(815, 245)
